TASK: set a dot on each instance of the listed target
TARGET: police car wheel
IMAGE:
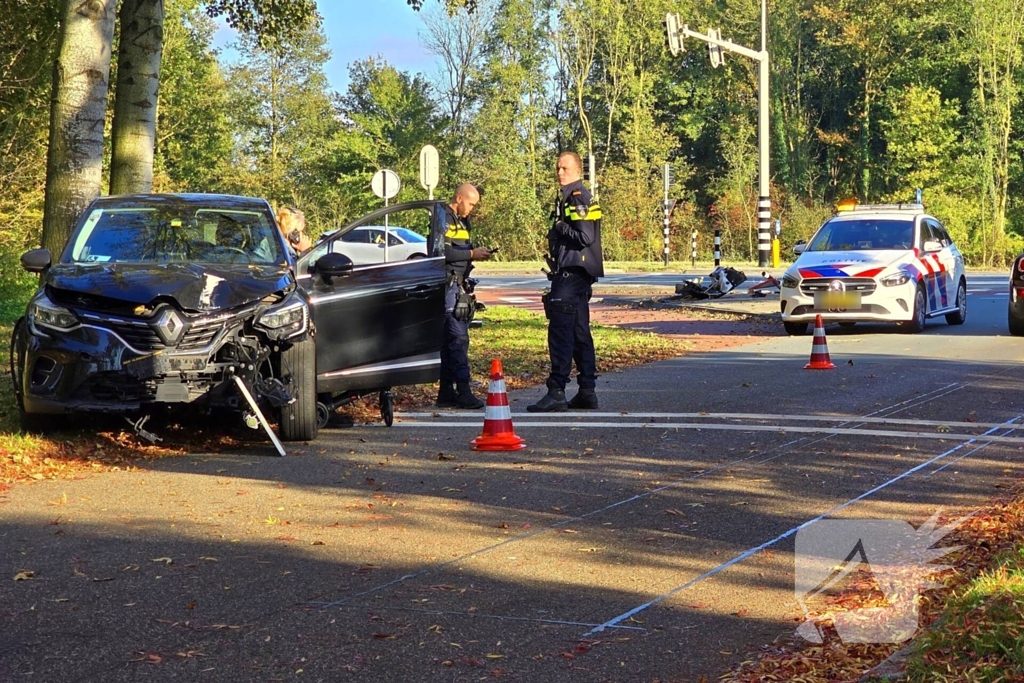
(916, 324)
(960, 315)
(795, 329)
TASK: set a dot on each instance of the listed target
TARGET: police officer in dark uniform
(459, 307)
(574, 243)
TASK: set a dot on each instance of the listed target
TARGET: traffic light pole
(676, 34)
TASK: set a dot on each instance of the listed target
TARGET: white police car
(876, 263)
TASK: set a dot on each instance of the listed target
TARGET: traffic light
(714, 51)
(673, 37)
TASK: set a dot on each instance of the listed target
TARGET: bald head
(465, 199)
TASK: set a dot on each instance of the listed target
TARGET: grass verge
(516, 336)
(978, 637)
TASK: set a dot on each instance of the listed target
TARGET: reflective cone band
(498, 434)
(819, 348)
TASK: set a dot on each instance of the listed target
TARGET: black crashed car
(162, 300)
(1015, 311)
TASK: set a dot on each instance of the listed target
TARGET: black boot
(446, 396)
(552, 402)
(465, 398)
(585, 399)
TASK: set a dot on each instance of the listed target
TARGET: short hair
(575, 157)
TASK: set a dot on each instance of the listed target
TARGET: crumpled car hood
(848, 264)
(198, 288)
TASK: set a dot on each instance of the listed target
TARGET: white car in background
(876, 263)
(365, 244)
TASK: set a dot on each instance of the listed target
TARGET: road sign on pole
(385, 184)
(429, 166)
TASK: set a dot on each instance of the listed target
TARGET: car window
(410, 236)
(927, 233)
(864, 234)
(356, 237)
(175, 233)
(939, 233)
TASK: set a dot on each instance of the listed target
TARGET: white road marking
(516, 299)
(730, 428)
(780, 448)
(732, 416)
(767, 544)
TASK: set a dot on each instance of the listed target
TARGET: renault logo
(169, 326)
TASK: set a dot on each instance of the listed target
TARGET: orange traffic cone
(498, 434)
(819, 348)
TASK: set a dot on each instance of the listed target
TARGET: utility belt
(561, 306)
(465, 300)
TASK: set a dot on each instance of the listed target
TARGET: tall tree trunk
(78, 105)
(135, 97)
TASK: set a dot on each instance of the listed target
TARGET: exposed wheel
(960, 315)
(18, 362)
(916, 324)
(387, 407)
(323, 414)
(847, 325)
(1016, 324)
(299, 419)
(795, 329)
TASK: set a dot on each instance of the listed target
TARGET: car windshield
(409, 235)
(865, 234)
(176, 234)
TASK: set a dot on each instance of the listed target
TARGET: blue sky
(357, 29)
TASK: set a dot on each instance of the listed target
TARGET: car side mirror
(799, 247)
(334, 265)
(932, 245)
(37, 260)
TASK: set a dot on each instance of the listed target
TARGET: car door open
(380, 325)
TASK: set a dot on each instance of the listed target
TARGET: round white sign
(385, 183)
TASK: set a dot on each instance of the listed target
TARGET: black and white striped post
(718, 247)
(666, 210)
(764, 231)
(693, 252)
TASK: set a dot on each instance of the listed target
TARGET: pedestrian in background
(292, 224)
(459, 304)
(574, 255)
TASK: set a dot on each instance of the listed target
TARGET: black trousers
(569, 337)
(455, 346)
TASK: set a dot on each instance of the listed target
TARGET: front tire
(795, 329)
(916, 324)
(298, 370)
(960, 315)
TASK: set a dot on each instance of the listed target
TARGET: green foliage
(194, 134)
(978, 639)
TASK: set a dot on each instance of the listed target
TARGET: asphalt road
(650, 541)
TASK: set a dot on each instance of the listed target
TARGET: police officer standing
(459, 307)
(574, 244)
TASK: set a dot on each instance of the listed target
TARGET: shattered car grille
(141, 336)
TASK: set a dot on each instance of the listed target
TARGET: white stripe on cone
(497, 413)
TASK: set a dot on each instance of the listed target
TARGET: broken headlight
(285, 320)
(45, 313)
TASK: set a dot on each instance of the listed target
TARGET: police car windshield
(866, 234)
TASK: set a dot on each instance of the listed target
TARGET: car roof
(183, 200)
(887, 214)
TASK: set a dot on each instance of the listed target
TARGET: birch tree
(74, 164)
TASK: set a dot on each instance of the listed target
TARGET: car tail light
(1020, 265)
